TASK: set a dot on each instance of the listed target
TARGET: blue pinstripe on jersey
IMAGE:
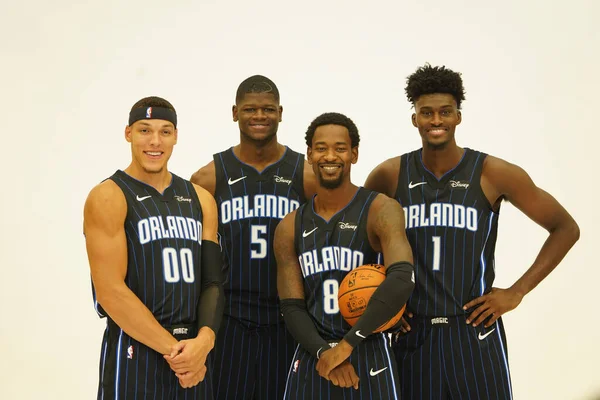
(142, 372)
(252, 338)
(452, 361)
(332, 325)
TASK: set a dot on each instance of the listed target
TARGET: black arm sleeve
(212, 296)
(298, 322)
(385, 302)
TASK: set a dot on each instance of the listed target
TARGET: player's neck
(259, 156)
(159, 180)
(329, 201)
(441, 160)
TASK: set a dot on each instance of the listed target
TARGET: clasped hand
(188, 358)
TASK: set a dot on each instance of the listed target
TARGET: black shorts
(373, 362)
(443, 357)
(132, 370)
(251, 363)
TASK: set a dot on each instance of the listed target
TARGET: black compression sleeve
(385, 302)
(212, 296)
(301, 326)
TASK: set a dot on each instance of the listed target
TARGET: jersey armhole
(480, 193)
(403, 160)
(300, 175)
(195, 196)
(219, 175)
(297, 224)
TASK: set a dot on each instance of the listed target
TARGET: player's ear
(280, 113)
(459, 117)
(234, 113)
(414, 120)
(128, 133)
(175, 135)
(354, 152)
(309, 155)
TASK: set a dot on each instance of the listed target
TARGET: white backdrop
(70, 73)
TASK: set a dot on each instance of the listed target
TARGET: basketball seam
(354, 290)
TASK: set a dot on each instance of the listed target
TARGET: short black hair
(153, 101)
(430, 80)
(333, 118)
(256, 84)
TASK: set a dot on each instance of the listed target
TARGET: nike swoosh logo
(305, 234)
(142, 198)
(481, 337)
(231, 182)
(373, 373)
(412, 185)
(359, 335)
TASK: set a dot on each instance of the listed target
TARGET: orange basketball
(356, 290)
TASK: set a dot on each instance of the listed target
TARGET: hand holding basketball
(356, 290)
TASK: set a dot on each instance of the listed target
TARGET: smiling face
(436, 118)
(152, 142)
(258, 116)
(331, 155)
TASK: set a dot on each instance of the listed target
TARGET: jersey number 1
(437, 245)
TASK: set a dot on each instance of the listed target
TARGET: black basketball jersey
(251, 204)
(164, 235)
(327, 251)
(452, 230)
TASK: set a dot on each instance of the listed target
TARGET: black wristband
(212, 264)
(212, 296)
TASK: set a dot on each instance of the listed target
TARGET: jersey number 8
(330, 296)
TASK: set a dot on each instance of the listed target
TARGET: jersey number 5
(256, 240)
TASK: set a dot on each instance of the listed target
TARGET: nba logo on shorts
(296, 365)
(149, 112)
(130, 352)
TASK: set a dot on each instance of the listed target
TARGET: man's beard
(331, 184)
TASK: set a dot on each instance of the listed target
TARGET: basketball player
(455, 346)
(343, 227)
(255, 184)
(151, 240)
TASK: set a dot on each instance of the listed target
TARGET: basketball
(356, 290)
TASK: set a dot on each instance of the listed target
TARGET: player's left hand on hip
(332, 358)
(493, 305)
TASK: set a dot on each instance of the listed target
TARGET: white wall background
(70, 71)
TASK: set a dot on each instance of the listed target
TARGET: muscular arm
(384, 178)
(502, 180)
(386, 234)
(514, 184)
(206, 178)
(104, 217)
(212, 296)
(291, 290)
